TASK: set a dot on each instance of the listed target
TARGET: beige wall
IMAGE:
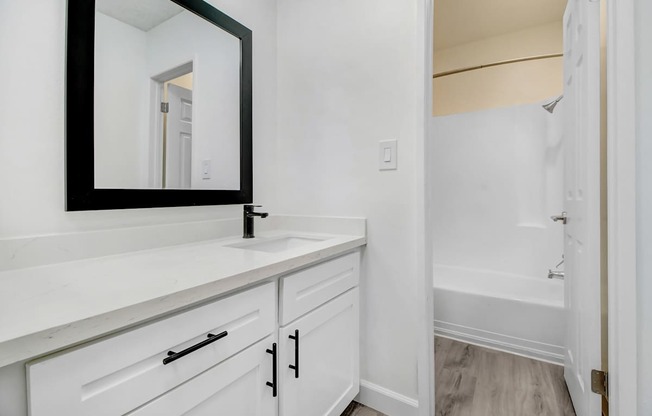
(184, 81)
(504, 85)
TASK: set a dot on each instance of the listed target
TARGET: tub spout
(555, 274)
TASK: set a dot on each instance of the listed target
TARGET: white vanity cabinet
(230, 367)
(319, 360)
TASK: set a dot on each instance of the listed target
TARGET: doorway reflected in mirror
(145, 51)
(176, 110)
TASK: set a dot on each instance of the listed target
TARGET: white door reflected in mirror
(154, 56)
(177, 137)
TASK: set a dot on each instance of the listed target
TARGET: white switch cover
(387, 155)
(205, 169)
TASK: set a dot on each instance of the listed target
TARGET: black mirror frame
(81, 194)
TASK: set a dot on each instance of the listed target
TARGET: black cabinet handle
(173, 356)
(273, 384)
(295, 367)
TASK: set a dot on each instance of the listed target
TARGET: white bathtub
(517, 314)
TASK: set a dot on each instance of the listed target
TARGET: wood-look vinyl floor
(356, 409)
(477, 381)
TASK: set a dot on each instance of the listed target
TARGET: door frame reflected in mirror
(160, 147)
(81, 194)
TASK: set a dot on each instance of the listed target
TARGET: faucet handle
(556, 274)
(250, 207)
(561, 217)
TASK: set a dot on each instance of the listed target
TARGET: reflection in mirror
(167, 99)
(177, 133)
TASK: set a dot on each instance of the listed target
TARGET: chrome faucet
(248, 220)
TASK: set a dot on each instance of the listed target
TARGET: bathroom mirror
(158, 105)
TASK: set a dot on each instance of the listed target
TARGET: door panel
(582, 200)
(178, 170)
(328, 360)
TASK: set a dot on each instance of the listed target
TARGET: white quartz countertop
(50, 307)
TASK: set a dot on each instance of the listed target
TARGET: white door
(582, 201)
(237, 386)
(178, 149)
(324, 376)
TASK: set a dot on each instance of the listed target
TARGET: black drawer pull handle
(295, 367)
(273, 383)
(173, 356)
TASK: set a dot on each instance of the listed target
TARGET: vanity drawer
(118, 374)
(305, 290)
(235, 387)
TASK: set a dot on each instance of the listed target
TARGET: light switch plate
(387, 155)
(206, 169)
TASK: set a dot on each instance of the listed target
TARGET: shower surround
(497, 179)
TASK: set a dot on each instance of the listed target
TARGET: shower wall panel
(497, 180)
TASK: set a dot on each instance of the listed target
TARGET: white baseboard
(531, 349)
(386, 401)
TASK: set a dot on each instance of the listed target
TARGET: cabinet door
(328, 359)
(236, 387)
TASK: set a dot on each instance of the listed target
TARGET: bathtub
(518, 314)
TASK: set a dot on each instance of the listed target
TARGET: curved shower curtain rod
(508, 61)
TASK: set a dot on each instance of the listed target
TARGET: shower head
(550, 107)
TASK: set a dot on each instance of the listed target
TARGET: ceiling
(142, 14)
(463, 21)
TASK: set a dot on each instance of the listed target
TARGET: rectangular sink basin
(276, 245)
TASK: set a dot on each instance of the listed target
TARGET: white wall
(350, 76)
(497, 179)
(644, 202)
(32, 47)
(121, 103)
